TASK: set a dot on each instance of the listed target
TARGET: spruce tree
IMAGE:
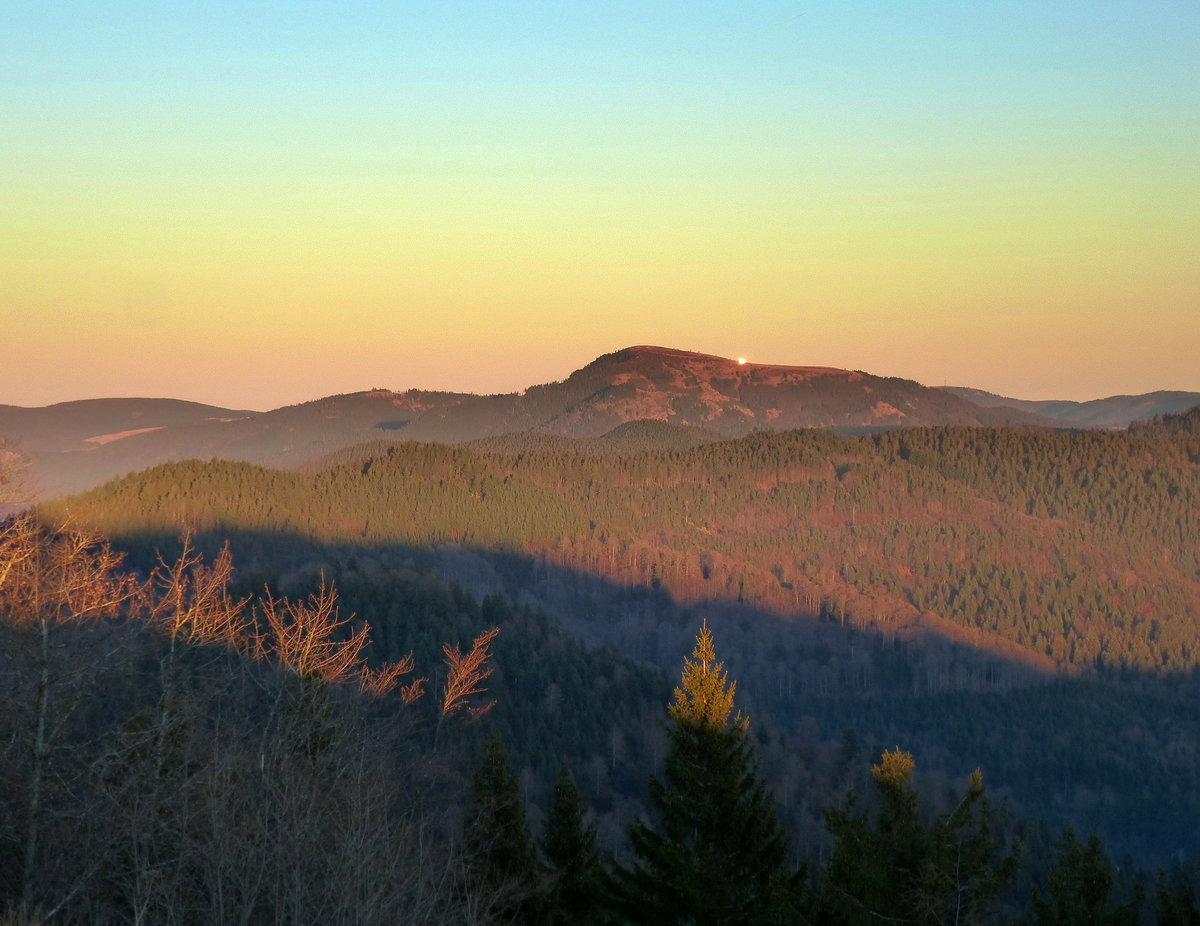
(1078, 887)
(1176, 904)
(891, 866)
(718, 855)
(570, 849)
(500, 853)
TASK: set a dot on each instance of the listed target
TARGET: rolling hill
(66, 458)
(91, 423)
(1064, 549)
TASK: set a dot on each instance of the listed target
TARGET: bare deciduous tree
(45, 580)
(247, 780)
(191, 600)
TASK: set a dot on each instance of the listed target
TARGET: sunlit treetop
(705, 695)
(895, 767)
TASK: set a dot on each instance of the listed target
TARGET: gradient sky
(253, 204)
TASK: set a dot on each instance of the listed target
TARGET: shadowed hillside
(828, 688)
(947, 589)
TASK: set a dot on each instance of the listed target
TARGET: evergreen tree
(1176, 903)
(719, 856)
(570, 849)
(1078, 888)
(893, 867)
(500, 850)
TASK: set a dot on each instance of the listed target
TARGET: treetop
(895, 767)
(705, 695)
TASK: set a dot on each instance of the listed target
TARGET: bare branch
(191, 600)
(464, 673)
(386, 678)
(304, 637)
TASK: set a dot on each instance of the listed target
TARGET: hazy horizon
(254, 208)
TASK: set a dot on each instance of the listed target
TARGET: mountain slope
(1182, 424)
(1098, 562)
(919, 586)
(704, 391)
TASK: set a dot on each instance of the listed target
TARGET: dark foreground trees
(170, 752)
(1078, 889)
(501, 856)
(573, 895)
(717, 854)
(891, 866)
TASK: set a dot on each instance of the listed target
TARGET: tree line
(712, 851)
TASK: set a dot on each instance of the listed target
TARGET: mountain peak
(730, 396)
(699, 361)
(653, 350)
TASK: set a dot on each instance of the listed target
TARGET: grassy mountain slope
(79, 445)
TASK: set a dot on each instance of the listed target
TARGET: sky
(255, 204)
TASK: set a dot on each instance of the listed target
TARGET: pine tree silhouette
(718, 855)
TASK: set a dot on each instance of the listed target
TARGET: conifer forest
(924, 676)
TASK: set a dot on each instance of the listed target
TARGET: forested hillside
(948, 589)
(1063, 550)
(1183, 424)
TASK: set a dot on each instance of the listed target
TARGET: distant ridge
(284, 437)
(1116, 411)
(73, 425)
(639, 397)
